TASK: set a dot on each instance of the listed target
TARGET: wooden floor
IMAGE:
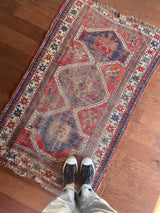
(132, 184)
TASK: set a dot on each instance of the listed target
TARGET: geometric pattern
(82, 85)
(105, 46)
(56, 133)
(78, 93)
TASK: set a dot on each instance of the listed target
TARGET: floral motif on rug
(79, 92)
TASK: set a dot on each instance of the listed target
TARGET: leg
(65, 202)
(88, 200)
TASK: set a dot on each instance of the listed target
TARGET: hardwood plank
(23, 192)
(150, 120)
(144, 135)
(129, 181)
(31, 31)
(145, 155)
(47, 7)
(146, 130)
(126, 200)
(137, 160)
(17, 40)
(16, 70)
(156, 4)
(29, 12)
(9, 6)
(14, 56)
(7, 81)
(3, 100)
(7, 204)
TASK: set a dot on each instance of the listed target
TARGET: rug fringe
(46, 186)
(31, 177)
(108, 8)
(131, 19)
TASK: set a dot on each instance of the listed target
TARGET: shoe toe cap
(87, 161)
(71, 160)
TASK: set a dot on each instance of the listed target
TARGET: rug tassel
(46, 186)
(127, 18)
(32, 177)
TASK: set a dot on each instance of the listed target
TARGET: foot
(87, 171)
(70, 169)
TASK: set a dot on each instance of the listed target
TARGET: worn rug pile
(78, 93)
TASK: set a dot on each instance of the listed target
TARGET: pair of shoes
(70, 170)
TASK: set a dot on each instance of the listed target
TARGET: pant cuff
(68, 187)
(86, 186)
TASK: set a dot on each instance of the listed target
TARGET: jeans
(86, 201)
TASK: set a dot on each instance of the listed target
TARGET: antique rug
(78, 93)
